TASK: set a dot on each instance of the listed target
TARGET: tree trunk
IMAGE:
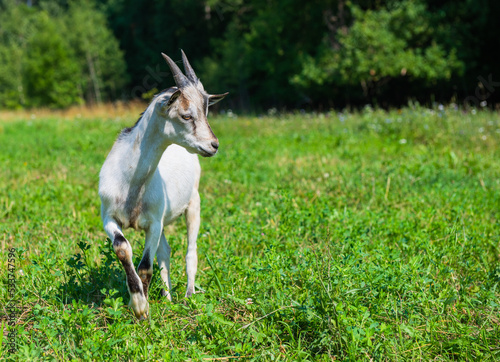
(93, 77)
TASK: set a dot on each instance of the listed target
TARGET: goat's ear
(214, 98)
(167, 103)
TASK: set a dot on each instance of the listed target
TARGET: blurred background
(283, 54)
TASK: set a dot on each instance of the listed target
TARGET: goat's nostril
(215, 144)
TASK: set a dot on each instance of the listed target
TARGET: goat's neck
(146, 145)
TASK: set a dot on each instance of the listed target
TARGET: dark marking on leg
(117, 242)
(119, 238)
(146, 280)
(144, 270)
(132, 280)
(145, 264)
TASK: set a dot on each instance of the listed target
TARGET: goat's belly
(145, 213)
(172, 216)
(167, 199)
(158, 203)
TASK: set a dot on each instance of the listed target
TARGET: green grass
(367, 236)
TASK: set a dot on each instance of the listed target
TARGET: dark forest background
(287, 54)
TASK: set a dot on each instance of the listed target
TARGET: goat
(151, 176)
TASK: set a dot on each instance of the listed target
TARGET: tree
(393, 42)
(258, 52)
(103, 69)
(266, 53)
(146, 28)
(50, 70)
(15, 27)
(41, 67)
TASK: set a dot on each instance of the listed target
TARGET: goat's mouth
(206, 153)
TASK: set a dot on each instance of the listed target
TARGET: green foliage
(257, 52)
(366, 236)
(49, 69)
(55, 57)
(390, 42)
(146, 28)
(288, 53)
(267, 54)
(100, 59)
(15, 27)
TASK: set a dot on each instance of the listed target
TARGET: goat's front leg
(193, 226)
(123, 251)
(145, 268)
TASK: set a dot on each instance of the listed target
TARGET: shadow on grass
(89, 279)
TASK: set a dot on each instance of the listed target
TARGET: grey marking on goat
(168, 92)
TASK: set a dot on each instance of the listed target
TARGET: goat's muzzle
(205, 152)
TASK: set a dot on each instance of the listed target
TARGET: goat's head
(187, 109)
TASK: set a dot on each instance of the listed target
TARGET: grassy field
(366, 236)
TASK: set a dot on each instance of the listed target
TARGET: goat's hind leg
(193, 226)
(123, 250)
(163, 256)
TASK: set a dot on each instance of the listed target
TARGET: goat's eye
(187, 117)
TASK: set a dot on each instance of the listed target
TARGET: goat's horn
(188, 69)
(180, 79)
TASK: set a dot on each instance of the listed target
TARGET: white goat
(151, 177)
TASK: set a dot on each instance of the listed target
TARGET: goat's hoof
(141, 315)
(139, 305)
